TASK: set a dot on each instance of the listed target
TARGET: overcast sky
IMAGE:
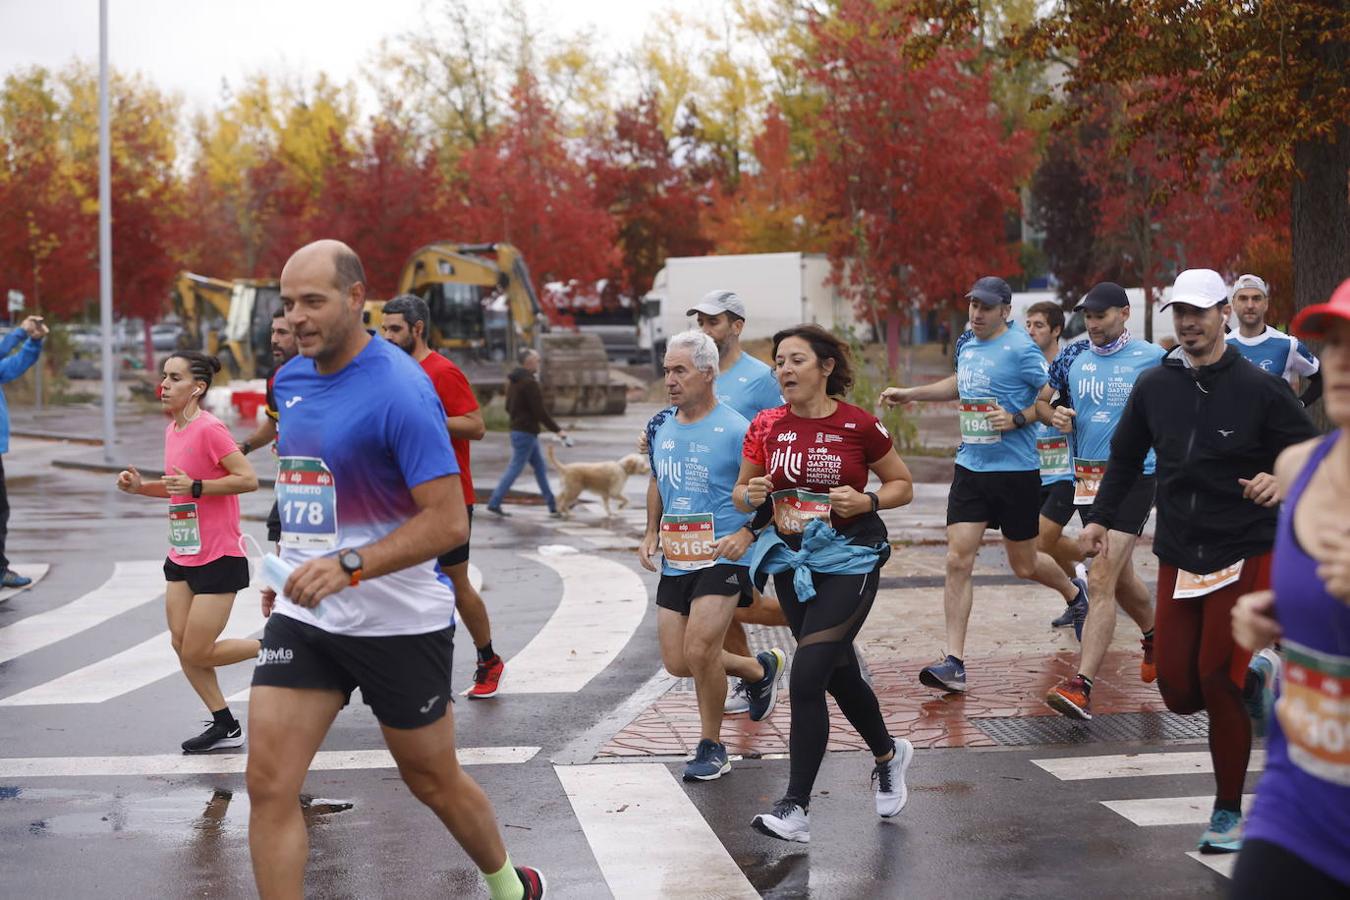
(189, 46)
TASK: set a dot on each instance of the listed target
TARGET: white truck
(779, 290)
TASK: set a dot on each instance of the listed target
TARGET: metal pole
(105, 240)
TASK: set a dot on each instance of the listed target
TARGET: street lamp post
(105, 240)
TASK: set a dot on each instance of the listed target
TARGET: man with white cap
(1271, 349)
(1216, 424)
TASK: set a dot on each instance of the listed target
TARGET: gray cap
(717, 302)
(991, 291)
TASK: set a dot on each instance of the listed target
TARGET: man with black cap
(1270, 348)
(1094, 379)
(997, 484)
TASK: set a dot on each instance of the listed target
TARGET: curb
(58, 436)
(110, 469)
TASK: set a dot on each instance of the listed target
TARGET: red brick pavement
(999, 686)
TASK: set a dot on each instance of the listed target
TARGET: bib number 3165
(307, 502)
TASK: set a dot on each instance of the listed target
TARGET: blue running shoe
(710, 762)
(1077, 610)
(764, 693)
(12, 579)
(1265, 669)
(945, 675)
(1224, 834)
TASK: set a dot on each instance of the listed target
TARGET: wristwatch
(197, 488)
(1018, 419)
(876, 501)
(351, 563)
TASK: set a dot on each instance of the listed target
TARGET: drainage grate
(1017, 731)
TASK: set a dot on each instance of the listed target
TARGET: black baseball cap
(991, 291)
(1103, 296)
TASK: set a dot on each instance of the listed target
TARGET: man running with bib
(1269, 348)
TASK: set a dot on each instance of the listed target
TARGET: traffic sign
(15, 301)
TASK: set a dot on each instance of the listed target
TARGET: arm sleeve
(1034, 368)
(220, 443)
(456, 395)
(752, 448)
(1312, 391)
(876, 440)
(653, 424)
(1301, 360)
(12, 340)
(536, 400)
(11, 367)
(1129, 446)
(961, 341)
(417, 437)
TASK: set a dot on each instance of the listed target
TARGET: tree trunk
(892, 340)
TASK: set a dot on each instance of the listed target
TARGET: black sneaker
(1075, 611)
(498, 511)
(533, 882)
(215, 737)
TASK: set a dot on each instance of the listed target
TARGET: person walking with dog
(694, 450)
(525, 405)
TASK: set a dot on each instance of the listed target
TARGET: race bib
(687, 541)
(794, 507)
(185, 534)
(1314, 711)
(975, 428)
(1190, 585)
(1054, 454)
(1087, 480)
(307, 502)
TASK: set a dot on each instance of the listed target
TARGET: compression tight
(825, 627)
(1200, 667)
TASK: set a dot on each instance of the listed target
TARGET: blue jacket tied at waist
(824, 550)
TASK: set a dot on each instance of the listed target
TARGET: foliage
(868, 383)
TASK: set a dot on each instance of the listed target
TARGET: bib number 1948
(307, 502)
(975, 426)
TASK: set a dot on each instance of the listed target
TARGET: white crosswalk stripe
(230, 763)
(131, 584)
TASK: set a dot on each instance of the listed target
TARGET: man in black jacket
(525, 405)
(1217, 423)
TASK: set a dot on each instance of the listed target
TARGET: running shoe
(738, 699)
(709, 763)
(1148, 669)
(763, 694)
(1265, 669)
(487, 677)
(12, 579)
(1075, 611)
(787, 822)
(1070, 698)
(497, 511)
(1224, 834)
(946, 675)
(533, 882)
(215, 737)
(890, 780)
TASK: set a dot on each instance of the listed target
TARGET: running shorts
(404, 678)
(459, 554)
(1057, 505)
(1008, 501)
(677, 592)
(274, 524)
(226, 575)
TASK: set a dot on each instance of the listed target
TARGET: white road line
(602, 606)
(35, 571)
(1222, 863)
(131, 584)
(224, 764)
(1168, 810)
(627, 806)
(1135, 765)
(136, 667)
(475, 577)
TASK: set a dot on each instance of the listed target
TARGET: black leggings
(1268, 870)
(825, 627)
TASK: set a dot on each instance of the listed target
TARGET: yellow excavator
(484, 310)
(231, 320)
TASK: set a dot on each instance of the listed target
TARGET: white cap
(1251, 283)
(717, 302)
(1201, 288)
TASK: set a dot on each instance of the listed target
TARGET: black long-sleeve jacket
(1210, 426)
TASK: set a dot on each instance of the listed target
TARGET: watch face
(350, 560)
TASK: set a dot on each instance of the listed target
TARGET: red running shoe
(1148, 669)
(486, 678)
(1070, 698)
(533, 880)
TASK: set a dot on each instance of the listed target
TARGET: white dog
(604, 478)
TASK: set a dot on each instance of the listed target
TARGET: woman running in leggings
(812, 457)
(204, 474)
(1297, 842)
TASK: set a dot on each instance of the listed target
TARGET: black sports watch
(1019, 420)
(351, 563)
(197, 488)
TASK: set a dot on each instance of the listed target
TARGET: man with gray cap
(744, 383)
(1269, 348)
(997, 483)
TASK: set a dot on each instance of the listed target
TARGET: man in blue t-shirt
(997, 482)
(1093, 379)
(368, 492)
(1270, 349)
(695, 450)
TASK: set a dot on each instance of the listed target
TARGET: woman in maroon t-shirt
(811, 458)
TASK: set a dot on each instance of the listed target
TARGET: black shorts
(459, 554)
(404, 678)
(1009, 501)
(274, 524)
(677, 592)
(226, 575)
(1057, 505)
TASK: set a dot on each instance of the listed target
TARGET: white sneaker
(890, 778)
(738, 698)
(787, 822)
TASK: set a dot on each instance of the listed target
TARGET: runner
(1093, 379)
(525, 404)
(1217, 425)
(404, 323)
(369, 494)
(1298, 832)
(1045, 323)
(999, 372)
(703, 538)
(205, 473)
(812, 457)
(30, 334)
(1272, 350)
(283, 349)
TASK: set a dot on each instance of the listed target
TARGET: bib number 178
(307, 502)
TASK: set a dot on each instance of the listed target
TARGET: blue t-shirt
(748, 387)
(695, 467)
(1011, 369)
(1277, 353)
(1098, 388)
(352, 445)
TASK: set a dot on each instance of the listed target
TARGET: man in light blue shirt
(1269, 348)
(11, 367)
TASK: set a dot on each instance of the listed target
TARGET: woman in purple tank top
(1297, 839)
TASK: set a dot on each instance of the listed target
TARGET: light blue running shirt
(1098, 388)
(695, 467)
(1012, 370)
(748, 387)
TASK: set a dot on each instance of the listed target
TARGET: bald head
(323, 292)
(345, 264)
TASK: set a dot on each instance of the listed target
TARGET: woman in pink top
(204, 474)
